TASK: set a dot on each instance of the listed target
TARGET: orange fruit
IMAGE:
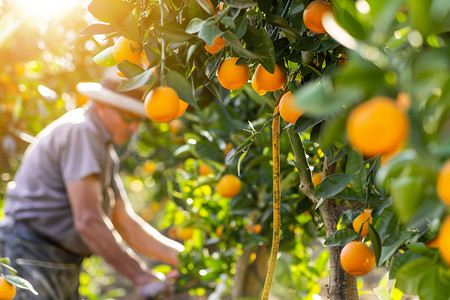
(185, 234)
(357, 258)
(181, 108)
(204, 170)
(316, 178)
(443, 183)
(7, 290)
(362, 220)
(149, 167)
(312, 16)
(175, 126)
(267, 81)
(289, 111)
(376, 126)
(127, 49)
(228, 186)
(434, 243)
(232, 76)
(256, 88)
(162, 104)
(257, 228)
(218, 44)
(444, 240)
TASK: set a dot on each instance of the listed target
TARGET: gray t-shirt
(72, 147)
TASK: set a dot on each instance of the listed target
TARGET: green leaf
(376, 242)
(128, 27)
(236, 45)
(341, 237)
(208, 32)
(194, 26)
(110, 11)
(241, 158)
(181, 85)
(282, 24)
(296, 13)
(435, 285)
(205, 5)
(406, 196)
(20, 283)
(99, 28)
(308, 43)
(409, 276)
(241, 27)
(322, 98)
(241, 3)
(265, 50)
(388, 251)
(105, 58)
(332, 185)
(355, 164)
(174, 33)
(138, 81)
(7, 265)
(402, 260)
(229, 22)
(305, 122)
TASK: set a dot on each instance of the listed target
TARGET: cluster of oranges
(356, 257)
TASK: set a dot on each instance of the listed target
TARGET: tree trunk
(342, 286)
(249, 279)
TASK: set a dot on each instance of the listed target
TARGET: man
(67, 201)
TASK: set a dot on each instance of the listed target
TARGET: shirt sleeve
(83, 155)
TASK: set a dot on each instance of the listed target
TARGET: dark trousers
(53, 271)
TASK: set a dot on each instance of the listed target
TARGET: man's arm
(141, 236)
(98, 233)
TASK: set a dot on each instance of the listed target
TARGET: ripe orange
(185, 234)
(357, 258)
(289, 111)
(256, 88)
(204, 170)
(316, 178)
(442, 185)
(362, 220)
(434, 243)
(377, 126)
(312, 16)
(267, 81)
(7, 290)
(127, 49)
(218, 44)
(175, 126)
(228, 186)
(181, 108)
(257, 228)
(162, 104)
(232, 76)
(444, 240)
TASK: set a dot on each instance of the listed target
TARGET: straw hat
(105, 92)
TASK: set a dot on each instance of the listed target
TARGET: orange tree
(397, 50)
(374, 92)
